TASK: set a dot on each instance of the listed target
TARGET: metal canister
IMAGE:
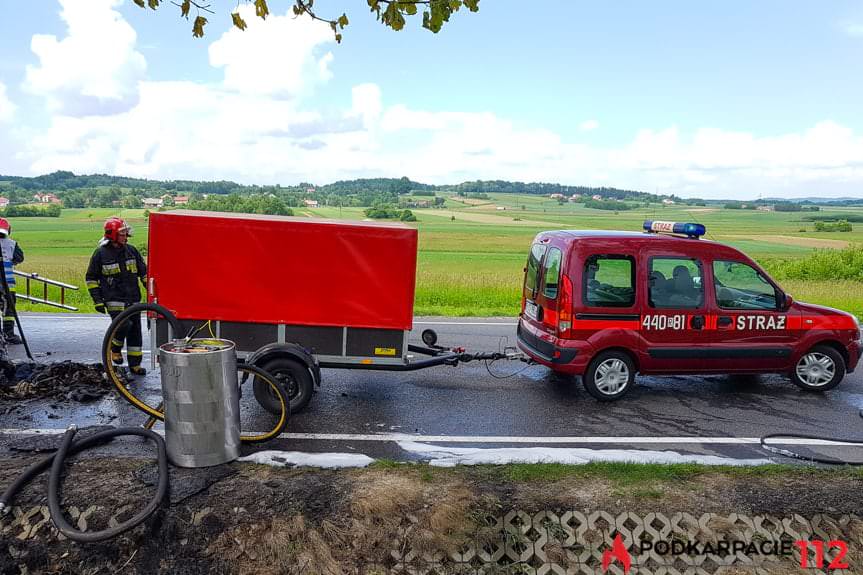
(202, 401)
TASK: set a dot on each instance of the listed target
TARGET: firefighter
(12, 256)
(112, 278)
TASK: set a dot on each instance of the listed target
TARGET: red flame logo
(618, 551)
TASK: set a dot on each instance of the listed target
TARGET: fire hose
(70, 447)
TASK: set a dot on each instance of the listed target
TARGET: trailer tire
(293, 376)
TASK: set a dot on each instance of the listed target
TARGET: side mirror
(787, 302)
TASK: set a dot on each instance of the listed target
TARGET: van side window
(740, 286)
(552, 273)
(675, 283)
(609, 281)
(530, 276)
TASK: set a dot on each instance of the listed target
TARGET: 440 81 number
(660, 322)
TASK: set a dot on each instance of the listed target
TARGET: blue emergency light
(687, 229)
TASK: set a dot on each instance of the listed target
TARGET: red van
(607, 305)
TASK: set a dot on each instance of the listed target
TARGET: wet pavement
(501, 404)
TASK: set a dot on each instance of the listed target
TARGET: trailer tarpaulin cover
(276, 269)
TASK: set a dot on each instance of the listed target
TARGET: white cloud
(95, 68)
(276, 56)
(853, 29)
(588, 125)
(7, 108)
(257, 126)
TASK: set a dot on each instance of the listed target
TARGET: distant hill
(67, 183)
(814, 200)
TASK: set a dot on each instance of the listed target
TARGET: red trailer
(294, 294)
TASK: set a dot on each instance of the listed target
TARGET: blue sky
(733, 99)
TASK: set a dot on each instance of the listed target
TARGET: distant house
(310, 203)
(500, 208)
(310, 190)
(181, 200)
(152, 202)
(46, 198)
(556, 196)
(597, 197)
(668, 202)
(4, 202)
(575, 197)
(760, 208)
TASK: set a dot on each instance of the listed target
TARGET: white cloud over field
(260, 124)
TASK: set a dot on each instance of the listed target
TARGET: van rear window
(533, 260)
(552, 273)
(609, 281)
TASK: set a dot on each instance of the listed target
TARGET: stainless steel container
(202, 401)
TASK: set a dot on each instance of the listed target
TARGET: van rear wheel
(821, 368)
(609, 376)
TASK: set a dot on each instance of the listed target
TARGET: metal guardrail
(34, 277)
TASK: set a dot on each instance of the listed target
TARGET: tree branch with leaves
(390, 13)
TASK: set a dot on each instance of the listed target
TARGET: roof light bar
(687, 229)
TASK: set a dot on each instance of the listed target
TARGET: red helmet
(5, 228)
(113, 227)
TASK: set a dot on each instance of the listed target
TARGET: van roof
(634, 240)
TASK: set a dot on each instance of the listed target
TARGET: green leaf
(343, 20)
(410, 9)
(238, 21)
(185, 7)
(153, 4)
(338, 38)
(472, 5)
(261, 9)
(140, 3)
(198, 27)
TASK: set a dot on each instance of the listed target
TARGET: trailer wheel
(293, 376)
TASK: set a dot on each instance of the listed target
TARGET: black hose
(124, 315)
(71, 447)
(811, 459)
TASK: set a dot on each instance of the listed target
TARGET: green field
(472, 265)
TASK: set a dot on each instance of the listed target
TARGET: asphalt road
(505, 404)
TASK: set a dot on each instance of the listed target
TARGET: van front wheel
(609, 376)
(821, 368)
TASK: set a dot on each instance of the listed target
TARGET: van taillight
(564, 308)
(523, 301)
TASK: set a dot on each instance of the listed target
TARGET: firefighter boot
(137, 370)
(9, 331)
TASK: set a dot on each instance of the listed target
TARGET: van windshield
(533, 260)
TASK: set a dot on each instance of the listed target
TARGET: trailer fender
(289, 350)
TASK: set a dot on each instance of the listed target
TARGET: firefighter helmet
(5, 228)
(113, 227)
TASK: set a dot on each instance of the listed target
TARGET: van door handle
(697, 322)
(724, 321)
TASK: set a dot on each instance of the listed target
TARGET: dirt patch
(491, 218)
(265, 520)
(66, 380)
(794, 241)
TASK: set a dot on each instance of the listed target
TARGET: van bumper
(561, 358)
(853, 356)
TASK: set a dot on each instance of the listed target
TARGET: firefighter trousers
(130, 333)
(9, 316)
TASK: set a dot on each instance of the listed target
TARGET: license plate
(531, 310)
